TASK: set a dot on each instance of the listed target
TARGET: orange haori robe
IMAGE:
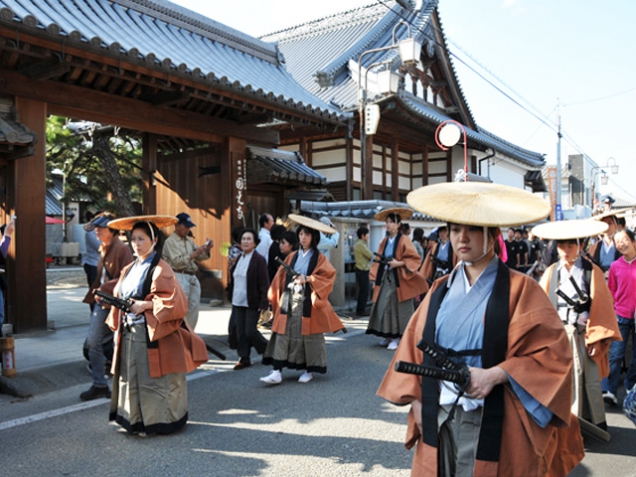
(320, 279)
(179, 349)
(602, 325)
(411, 282)
(428, 269)
(538, 357)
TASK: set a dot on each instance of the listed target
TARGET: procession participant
(154, 346)
(397, 280)
(440, 259)
(589, 318)
(622, 283)
(114, 255)
(302, 312)
(182, 254)
(513, 417)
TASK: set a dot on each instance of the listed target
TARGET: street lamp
(409, 51)
(604, 179)
(447, 135)
(613, 167)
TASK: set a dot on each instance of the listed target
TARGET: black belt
(185, 272)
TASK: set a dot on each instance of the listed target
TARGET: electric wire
(552, 126)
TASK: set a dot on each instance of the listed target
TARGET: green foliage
(70, 150)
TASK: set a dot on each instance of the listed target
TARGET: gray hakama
(389, 316)
(294, 350)
(140, 403)
(587, 395)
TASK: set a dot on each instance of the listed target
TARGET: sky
(573, 58)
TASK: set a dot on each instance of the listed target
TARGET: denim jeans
(616, 355)
(97, 333)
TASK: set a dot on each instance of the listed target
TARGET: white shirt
(266, 241)
(239, 293)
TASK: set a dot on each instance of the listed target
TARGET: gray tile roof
(481, 136)
(360, 209)
(276, 165)
(321, 50)
(162, 35)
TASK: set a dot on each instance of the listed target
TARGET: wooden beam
(74, 101)
(149, 164)
(395, 170)
(27, 255)
(45, 69)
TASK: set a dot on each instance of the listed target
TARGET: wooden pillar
(234, 168)
(395, 170)
(149, 165)
(367, 169)
(26, 298)
(425, 166)
(449, 165)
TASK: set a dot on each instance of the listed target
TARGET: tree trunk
(101, 148)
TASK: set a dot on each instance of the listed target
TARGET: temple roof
(323, 56)
(162, 35)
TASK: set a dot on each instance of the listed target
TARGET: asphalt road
(332, 426)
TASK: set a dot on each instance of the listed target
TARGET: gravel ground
(65, 277)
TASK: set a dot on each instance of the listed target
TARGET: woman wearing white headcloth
(512, 416)
(154, 347)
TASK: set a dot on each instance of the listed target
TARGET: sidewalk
(49, 360)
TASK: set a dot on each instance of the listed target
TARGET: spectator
(248, 292)
(276, 233)
(622, 283)
(363, 255)
(91, 257)
(328, 240)
(114, 256)
(182, 254)
(266, 222)
(233, 254)
(5, 241)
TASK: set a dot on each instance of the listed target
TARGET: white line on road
(98, 402)
(80, 407)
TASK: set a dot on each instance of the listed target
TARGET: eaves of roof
(425, 110)
(357, 209)
(161, 35)
(277, 165)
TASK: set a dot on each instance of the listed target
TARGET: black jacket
(257, 283)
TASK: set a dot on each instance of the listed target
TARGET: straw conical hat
(403, 212)
(311, 223)
(479, 203)
(569, 229)
(127, 223)
(615, 212)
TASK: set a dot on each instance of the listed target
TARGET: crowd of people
(462, 300)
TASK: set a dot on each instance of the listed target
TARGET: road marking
(98, 402)
(49, 414)
(81, 406)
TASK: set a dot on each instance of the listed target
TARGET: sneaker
(305, 377)
(275, 377)
(95, 392)
(393, 345)
(609, 398)
(385, 341)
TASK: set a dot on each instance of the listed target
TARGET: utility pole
(558, 211)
